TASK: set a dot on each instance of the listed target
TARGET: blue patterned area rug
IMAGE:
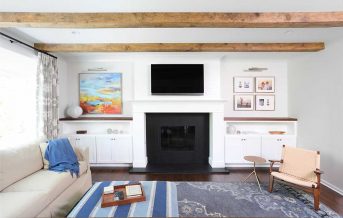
(237, 199)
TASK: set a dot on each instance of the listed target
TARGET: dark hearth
(177, 138)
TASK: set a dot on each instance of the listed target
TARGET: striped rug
(161, 201)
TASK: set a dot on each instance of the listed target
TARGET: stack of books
(133, 191)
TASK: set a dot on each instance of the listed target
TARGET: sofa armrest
(82, 153)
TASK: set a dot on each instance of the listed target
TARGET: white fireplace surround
(214, 107)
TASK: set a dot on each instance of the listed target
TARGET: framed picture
(101, 93)
(265, 84)
(244, 102)
(243, 84)
(265, 102)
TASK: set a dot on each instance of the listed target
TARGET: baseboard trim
(332, 187)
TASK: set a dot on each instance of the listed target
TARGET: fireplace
(177, 138)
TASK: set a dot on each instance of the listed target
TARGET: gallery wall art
(265, 102)
(101, 93)
(243, 84)
(244, 102)
(256, 86)
(265, 84)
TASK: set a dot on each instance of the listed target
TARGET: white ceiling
(169, 35)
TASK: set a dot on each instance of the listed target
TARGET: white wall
(316, 99)
(142, 87)
(219, 73)
(69, 81)
(235, 67)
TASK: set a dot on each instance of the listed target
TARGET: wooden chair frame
(314, 190)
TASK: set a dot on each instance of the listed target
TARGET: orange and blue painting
(101, 93)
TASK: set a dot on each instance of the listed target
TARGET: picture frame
(101, 93)
(265, 103)
(243, 102)
(265, 84)
(243, 84)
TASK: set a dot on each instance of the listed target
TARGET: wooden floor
(328, 197)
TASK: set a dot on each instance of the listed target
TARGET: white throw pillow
(43, 147)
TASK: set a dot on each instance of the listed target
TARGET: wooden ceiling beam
(172, 20)
(182, 47)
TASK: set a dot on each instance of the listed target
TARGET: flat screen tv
(177, 79)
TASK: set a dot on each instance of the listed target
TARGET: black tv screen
(177, 79)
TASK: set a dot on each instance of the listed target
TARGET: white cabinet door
(85, 141)
(88, 141)
(105, 146)
(233, 150)
(122, 152)
(272, 146)
(236, 147)
(251, 146)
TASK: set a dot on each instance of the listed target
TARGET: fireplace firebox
(177, 138)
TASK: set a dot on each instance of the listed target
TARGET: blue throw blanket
(61, 156)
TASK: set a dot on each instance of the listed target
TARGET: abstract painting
(101, 93)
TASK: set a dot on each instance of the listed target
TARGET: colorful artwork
(101, 93)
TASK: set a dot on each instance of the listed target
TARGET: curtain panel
(47, 97)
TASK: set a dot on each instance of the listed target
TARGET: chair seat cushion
(294, 180)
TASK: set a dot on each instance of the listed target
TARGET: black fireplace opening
(177, 138)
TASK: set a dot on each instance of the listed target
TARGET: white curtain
(47, 97)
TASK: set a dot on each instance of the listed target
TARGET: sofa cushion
(53, 183)
(22, 204)
(43, 147)
(17, 162)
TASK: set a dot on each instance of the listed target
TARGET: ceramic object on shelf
(109, 131)
(74, 111)
(231, 129)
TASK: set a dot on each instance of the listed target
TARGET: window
(18, 118)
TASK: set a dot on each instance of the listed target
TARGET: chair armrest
(318, 172)
(272, 162)
(275, 161)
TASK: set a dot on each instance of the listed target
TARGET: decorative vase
(74, 111)
(231, 129)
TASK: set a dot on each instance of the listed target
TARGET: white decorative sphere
(74, 111)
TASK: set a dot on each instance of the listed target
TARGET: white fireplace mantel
(214, 107)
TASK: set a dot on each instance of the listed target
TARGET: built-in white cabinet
(104, 148)
(252, 137)
(114, 149)
(271, 146)
(85, 141)
(105, 145)
(236, 147)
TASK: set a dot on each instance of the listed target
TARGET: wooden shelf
(260, 119)
(96, 118)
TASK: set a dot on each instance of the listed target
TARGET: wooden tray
(277, 132)
(107, 199)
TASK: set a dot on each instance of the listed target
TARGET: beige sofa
(30, 190)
